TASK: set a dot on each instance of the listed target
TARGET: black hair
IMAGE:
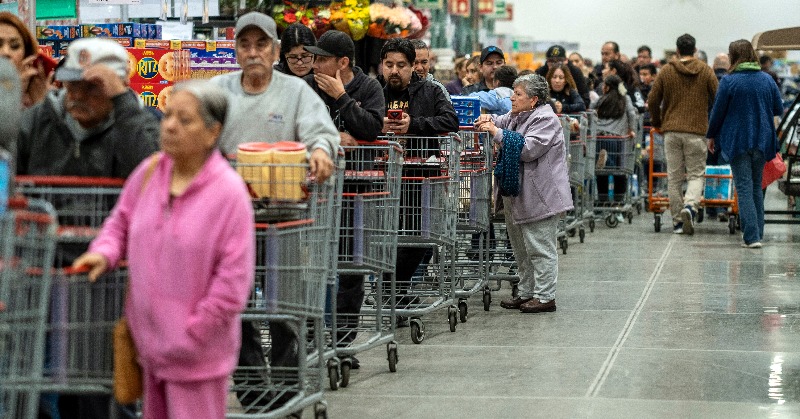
(624, 71)
(505, 75)
(419, 44)
(645, 48)
(296, 35)
(612, 104)
(401, 45)
(615, 46)
(649, 67)
(764, 59)
(686, 45)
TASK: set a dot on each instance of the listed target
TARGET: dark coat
(577, 75)
(431, 113)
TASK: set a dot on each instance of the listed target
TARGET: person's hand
(574, 125)
(711, 147)
(321, 165)
(481, 119)
(397, 126)
(2, 306)
(488, 126)
(110, 83)
(96, 263)
(34, 80)
(631, 133)
(559, 106)
(347, 140)
(332, 86)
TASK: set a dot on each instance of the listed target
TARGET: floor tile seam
(733, 351)
(542, 347)
(605, 369)
(759, 313)
(564, 398)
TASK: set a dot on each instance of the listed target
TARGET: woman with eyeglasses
(294, 59)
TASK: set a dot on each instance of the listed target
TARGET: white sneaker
(753, 245)
(687, 216)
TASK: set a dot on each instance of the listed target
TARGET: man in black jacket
(491, 59)
(356, 105)
(556, 55)
(95, 126)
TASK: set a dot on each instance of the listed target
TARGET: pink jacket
(191, 266)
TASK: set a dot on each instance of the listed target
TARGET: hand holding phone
(394, 114)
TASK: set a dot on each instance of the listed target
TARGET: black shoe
(354, 364)
(401, 321)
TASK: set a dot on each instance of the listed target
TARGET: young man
(422, 64)
(647, 76)
(492, 58)
(679, 103)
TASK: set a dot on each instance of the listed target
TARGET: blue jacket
(742, 117)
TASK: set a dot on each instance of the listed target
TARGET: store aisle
(648, 325)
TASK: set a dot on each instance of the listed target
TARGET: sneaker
(602, 157)
(620, 217)
(687, 216)
(677, 228)
(753, 245)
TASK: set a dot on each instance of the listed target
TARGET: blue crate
(718, 188)
(467, 108)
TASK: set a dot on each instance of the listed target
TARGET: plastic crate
(467, 108)
(718, 188)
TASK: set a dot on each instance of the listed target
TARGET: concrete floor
(649, 325)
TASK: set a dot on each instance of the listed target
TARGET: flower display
(315, 18)
(391, 22)
(351, 17)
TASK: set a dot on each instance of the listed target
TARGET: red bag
(773, 170)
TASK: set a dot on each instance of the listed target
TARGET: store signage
(485, 7)
(459, 7)
(429, 4)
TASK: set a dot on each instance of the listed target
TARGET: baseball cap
(491, 50)
(333, 43)
(84, 52)
(556, 51)
(260, 21)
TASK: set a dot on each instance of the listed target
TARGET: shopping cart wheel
(462, 311)
(657, 222)
(638, 208)
(571, 232)
(345, 367)
(391, 355)
(591, 226)
(417, 331)
(333, 374)
(630, 217)
(452, 317)
(321, 411)
(564, 245)
(732, 224)
(582, 234)
(611, 221)
(487, 299)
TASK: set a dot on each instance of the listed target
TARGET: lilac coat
(191, 267)
(544, 181)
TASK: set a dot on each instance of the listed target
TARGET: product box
(158, 32)
(59, 48)
(47, 50)
(156, 43)
(206, 68)
(467, 108)
(154, 95)
(718, 188)
(125, 42)
(58, 32)
(208, 49)
(94, 30)
(159, 66)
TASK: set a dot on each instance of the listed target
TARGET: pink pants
(184, 399)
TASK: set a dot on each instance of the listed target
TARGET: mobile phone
(394, 114)
(49, 64)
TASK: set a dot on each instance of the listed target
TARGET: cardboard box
(158, 66)
(156, 43)
(206, 68)
(125, 42)
(208, 49)
(154, 95)
(718, 188)
(58, 32)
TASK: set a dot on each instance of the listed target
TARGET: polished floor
(649, 325)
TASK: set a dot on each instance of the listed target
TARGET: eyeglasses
(295, 59)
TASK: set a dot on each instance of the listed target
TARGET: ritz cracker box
(160, 66)
(154, 95)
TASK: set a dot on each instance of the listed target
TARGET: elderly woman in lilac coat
(531, 179)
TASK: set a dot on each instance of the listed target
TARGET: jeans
(747, 170)
(686, 155)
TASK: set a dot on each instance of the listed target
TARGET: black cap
(491, 50)
(334, 43)
(556, 51)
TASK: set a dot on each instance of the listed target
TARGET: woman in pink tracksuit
(184, 222)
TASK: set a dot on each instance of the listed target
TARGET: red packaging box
(154, 95)
(149, 65)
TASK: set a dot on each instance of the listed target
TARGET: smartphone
(49, 64)
(394, 114)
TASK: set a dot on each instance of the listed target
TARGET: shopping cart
(719, 189)
(27, 251)
(427, 229)
(295, 230)
(575, 130)
(615, 160)
(473, 224)
(367, 249)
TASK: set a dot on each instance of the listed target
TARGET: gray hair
(534, 85)
(213, 100)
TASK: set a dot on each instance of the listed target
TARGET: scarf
(748, 66)
(506, 170)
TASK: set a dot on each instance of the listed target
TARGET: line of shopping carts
(406, 219)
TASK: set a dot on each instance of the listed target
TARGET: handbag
(773, 170)
(127, 372)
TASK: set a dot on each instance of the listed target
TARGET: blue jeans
(747, 170)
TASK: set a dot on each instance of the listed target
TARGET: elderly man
(95, 126)
(270, 106)
(492, 58)
(609, 51)
(422, 65)
(265, 105)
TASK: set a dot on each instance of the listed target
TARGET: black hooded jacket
(360, 110)
(431, 113)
